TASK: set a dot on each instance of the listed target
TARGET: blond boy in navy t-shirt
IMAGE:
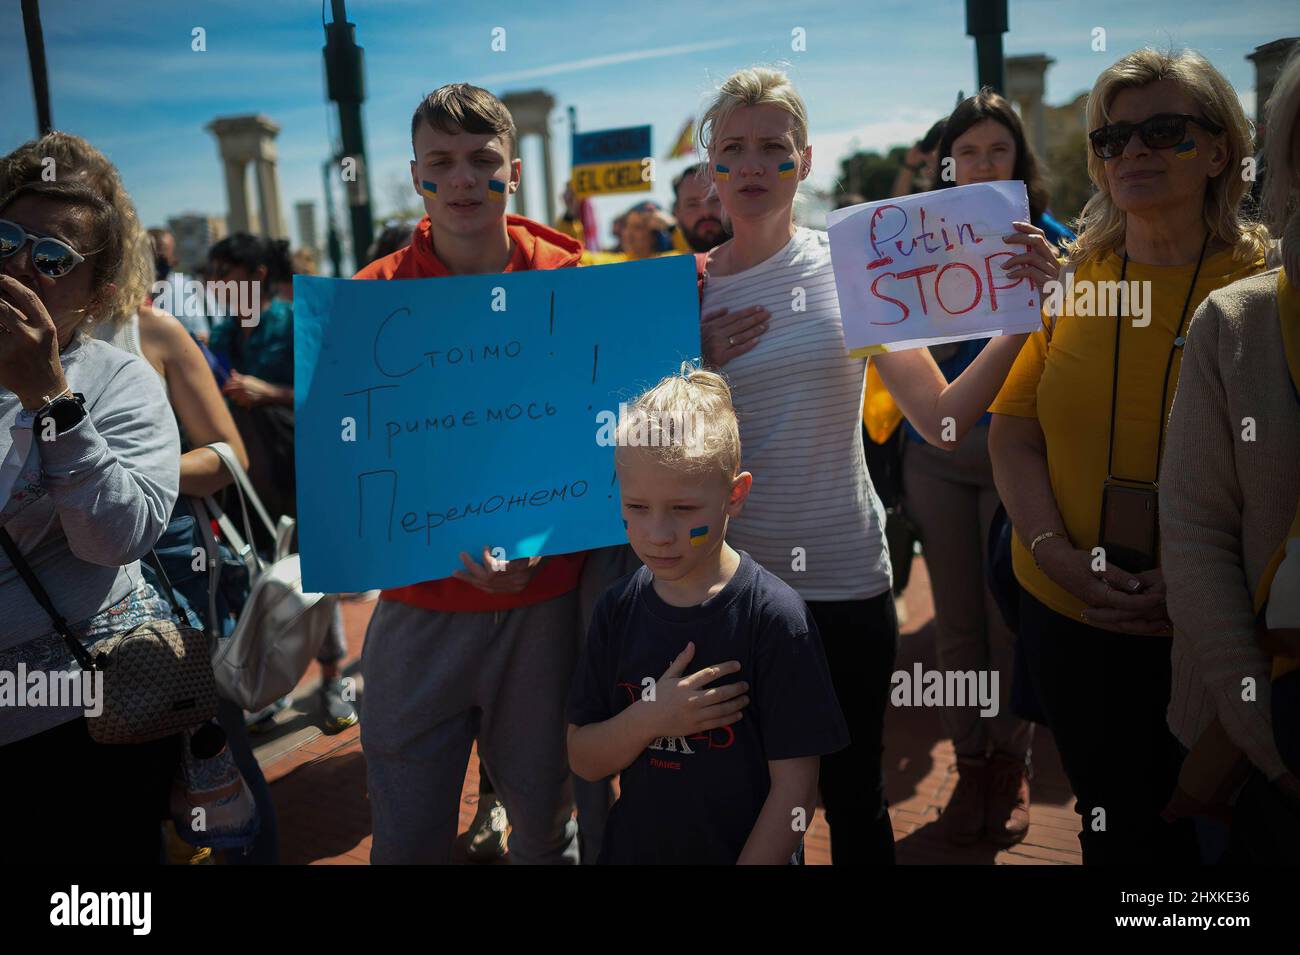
(704, 683)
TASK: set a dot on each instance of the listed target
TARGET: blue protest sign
(443, 415)
(611, 160)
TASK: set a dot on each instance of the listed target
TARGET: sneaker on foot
(487, 834)
(963, 817)
(339, 713)
(263, 721)
(1007, 817)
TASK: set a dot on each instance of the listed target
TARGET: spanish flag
(685, 145)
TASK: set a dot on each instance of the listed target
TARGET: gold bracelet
(49, 401)
(1045, 535)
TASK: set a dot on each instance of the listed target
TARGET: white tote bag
(281, 628)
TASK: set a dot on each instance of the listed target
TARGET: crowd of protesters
(1166, 668)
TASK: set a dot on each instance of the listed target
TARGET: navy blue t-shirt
(695, 799)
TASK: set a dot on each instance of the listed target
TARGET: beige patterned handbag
(157, 676)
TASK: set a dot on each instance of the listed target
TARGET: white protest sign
(924, 269)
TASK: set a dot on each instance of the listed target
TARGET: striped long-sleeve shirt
(812, 517)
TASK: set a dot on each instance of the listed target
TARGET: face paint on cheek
(699, 536)
(496, 189)
(722, 173)
(1186, 150)
(786, 170)
(428, 189)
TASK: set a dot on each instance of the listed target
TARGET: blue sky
(875, 72)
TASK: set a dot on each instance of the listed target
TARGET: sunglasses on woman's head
(1161, 131)
(51, 257)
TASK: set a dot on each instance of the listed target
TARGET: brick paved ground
(318, 782)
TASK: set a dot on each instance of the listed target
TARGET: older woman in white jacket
(1230, 523)
(89, 475)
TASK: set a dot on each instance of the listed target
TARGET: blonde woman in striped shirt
(813, 518)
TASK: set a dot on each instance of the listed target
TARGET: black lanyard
(1169, 364)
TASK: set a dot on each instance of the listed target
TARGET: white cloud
(612, 59)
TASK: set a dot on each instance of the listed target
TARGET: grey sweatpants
(437, 681)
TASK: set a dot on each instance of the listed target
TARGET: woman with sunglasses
(201, 415)
(1078, 434)
(90, 470)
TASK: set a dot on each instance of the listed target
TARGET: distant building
(1268, 59)
(307, 236)
(195, 234)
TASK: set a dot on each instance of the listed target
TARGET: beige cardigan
(1226, 504)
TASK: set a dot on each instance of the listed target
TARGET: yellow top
(1066, 384)
(880, 413)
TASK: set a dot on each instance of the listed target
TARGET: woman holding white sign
(1078, 432)
(813, 517)
(953, 500)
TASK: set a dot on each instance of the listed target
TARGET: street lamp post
(36, 60)
(345, 80)
(986, 21)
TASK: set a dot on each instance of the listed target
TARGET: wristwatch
(66, 411)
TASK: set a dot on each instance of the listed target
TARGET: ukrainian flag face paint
(699, 536)
(721, 172)
(1186, 150)
(428, 189)
(496, 190)
(787, 170)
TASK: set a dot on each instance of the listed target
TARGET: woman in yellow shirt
(1078, 433)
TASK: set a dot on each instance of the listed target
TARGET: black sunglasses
(1161, 131)
(50, 256)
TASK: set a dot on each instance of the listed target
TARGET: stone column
(237, 194)
(268, 200)
(243, 140)
(1026, 84)
(531, 112)
(548, 173)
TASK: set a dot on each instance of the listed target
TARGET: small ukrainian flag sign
(723, 173)
(1186, 150)
(786, 170)
(699, 536)
(428, 189)
(496, 189)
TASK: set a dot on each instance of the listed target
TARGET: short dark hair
(394, 237)
(460, 107)
(988, 104)
(107, 230)
(695, 170)
(932, 136)
(251, 251)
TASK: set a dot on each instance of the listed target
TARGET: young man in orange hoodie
(488, 653)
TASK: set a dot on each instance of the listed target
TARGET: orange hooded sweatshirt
(533, 246)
